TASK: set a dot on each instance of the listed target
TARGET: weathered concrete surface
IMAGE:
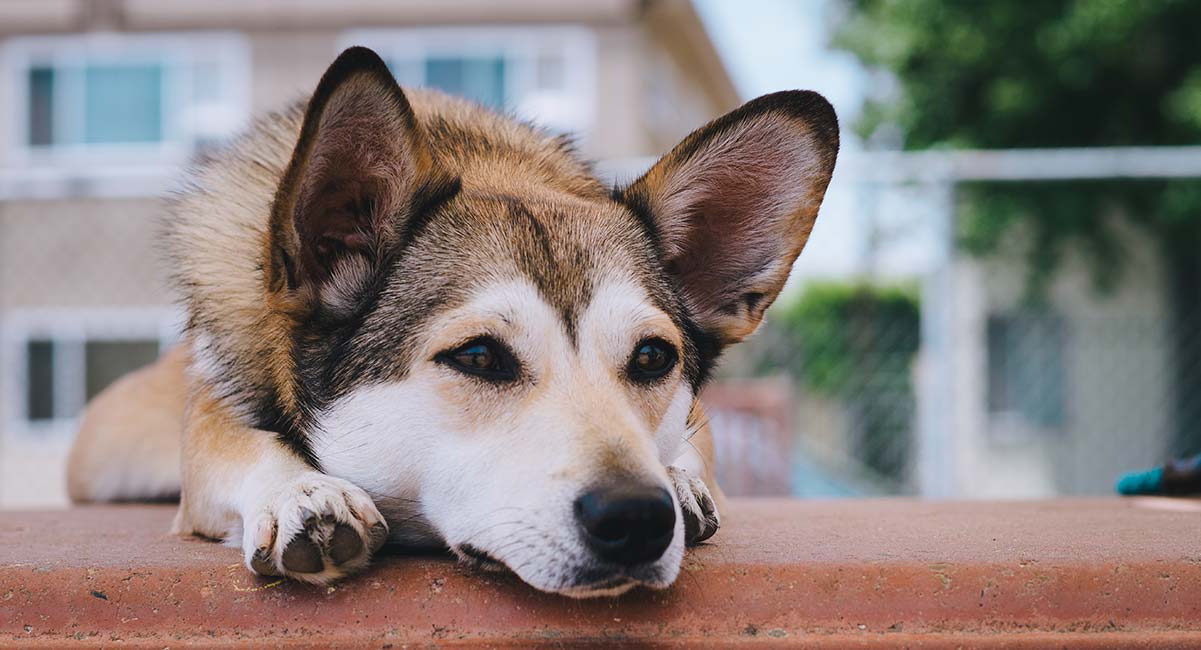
(1074, 573)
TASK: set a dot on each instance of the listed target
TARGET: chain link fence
(1056, 404)
(959, 379)
(943, 380)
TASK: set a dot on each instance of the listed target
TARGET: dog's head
(508, 361)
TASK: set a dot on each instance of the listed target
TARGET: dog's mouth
(591, 582)
(477, 557)
(612, 586)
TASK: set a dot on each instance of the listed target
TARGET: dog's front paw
(700, 512)
(314, 528)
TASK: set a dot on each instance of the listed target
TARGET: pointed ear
(358, 164)
(732, 205)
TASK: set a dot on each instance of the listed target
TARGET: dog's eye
(482, 357)
(652, 359)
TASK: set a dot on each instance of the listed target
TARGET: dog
(411, 319)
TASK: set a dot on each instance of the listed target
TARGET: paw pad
(327, 528)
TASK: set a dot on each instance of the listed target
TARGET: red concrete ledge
(834, 574)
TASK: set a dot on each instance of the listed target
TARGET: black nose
(628, 524)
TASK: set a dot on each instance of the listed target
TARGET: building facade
(1062, 395)
(103, 102)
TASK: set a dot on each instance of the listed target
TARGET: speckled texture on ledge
(832, 574)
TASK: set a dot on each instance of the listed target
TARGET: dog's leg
(694, 477)
(697, 505)
(245, 486)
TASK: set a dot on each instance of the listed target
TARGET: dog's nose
(629, 524)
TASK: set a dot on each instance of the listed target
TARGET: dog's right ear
(350, 186)
(732, 206)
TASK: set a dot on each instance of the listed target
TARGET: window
(108, 361)
(127, 96)
(480, 79)
(1026, 367)
(39, 364)
(54, 361)
(543, 74)
(63, 375)
(117, 104)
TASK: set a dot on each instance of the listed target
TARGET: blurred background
(1001, 299)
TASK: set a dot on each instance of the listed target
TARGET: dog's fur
(330, 259)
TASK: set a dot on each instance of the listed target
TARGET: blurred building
(972, 392)
(1009, 397)
(1056, 397)
(103, 101)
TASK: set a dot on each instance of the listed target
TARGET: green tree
(1055, 73)
(856, 343)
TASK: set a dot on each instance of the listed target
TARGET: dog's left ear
(733, 204)
(359, 163)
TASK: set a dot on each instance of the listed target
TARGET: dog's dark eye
(482, 357)
(652, 359)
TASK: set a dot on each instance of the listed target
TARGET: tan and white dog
(410, 318)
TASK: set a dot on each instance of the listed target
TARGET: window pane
(107, 361)
(124, 103)
(998, 365)
(481, 80)
(1038, 382)
(41, 106)
(39, 380)
(1027, 374)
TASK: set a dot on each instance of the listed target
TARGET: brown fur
(320, 252)
(128, 441)
(132, 430)
(223, 246)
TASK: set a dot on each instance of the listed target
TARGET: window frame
(518, 45)
(177, 54)
(69, 329)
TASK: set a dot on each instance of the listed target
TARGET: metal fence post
(935, 459)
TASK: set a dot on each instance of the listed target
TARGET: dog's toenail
(344, 544)
(303, 556)
(377, 535)
(692, 528)
(261, 563)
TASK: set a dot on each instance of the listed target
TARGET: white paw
(700, 512)
(314, 528)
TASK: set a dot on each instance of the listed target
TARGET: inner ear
(733, 205)
(350, 182)
(344, 218)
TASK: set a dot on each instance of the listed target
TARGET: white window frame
(175, 52)
(516, 44)
(69, 329)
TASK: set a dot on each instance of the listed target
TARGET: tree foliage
(836, 326)
(856, 343)
(1043, 73)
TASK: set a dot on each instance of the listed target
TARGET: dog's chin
(605, 588)
(616, 583)
(590, 582)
